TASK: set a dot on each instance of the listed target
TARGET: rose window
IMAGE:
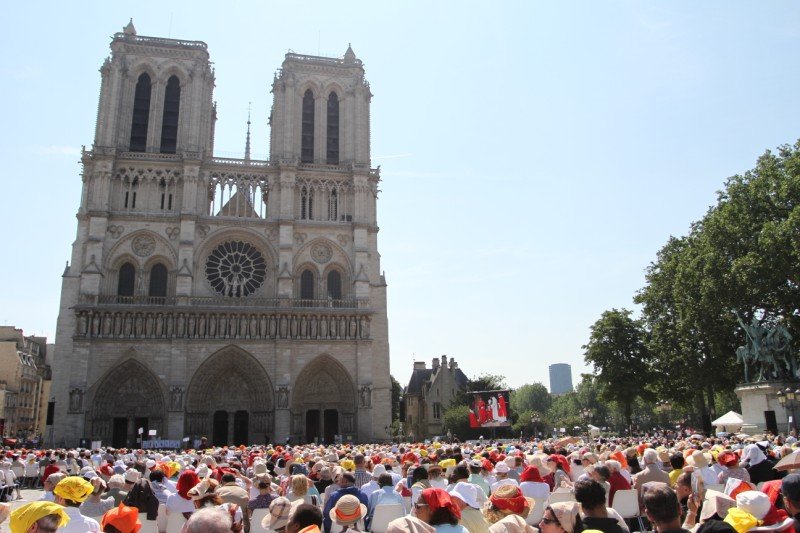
(236, 268)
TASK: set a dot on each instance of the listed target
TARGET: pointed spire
(349, 56)
(247, 143)
(129, 29)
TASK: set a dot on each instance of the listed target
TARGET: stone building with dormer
(25, 382)
(236, 299)
(428, 395)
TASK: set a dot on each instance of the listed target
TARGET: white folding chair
(384, 514)
(161, 519)
(255, 520)
(626, 503)
(537, 512)
(175, 522)
(148, 526)
(534, 489)
(556, 497)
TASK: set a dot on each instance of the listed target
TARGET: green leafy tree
(482, 382)
(532, 397)
(618, 352)
(743, 254)
(397, 393)
(564, 413)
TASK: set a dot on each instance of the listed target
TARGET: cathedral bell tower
(155, 97)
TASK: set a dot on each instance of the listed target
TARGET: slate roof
(418, 378)
(422, 376)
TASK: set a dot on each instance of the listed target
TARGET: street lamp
(789, 400)
(535, 419)
(663, 407)
(586, 414)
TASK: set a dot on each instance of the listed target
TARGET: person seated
(121, 519)
(306, 518)
(561, 517)
(436, 508)
(37, 517)
(592, 497)
(208, 520)
(662, 509)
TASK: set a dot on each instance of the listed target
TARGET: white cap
(467, 493)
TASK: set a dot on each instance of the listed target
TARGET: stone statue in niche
(75, 400)
(176, 398)
(365, 396)
(283, 397)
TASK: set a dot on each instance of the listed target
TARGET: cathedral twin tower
(235, 299)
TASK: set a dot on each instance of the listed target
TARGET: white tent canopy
(730, 421)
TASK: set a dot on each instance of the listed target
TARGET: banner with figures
(489, 409)
(161, 444)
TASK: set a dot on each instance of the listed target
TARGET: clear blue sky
(535, 156)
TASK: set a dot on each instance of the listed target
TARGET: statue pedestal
(758, 400)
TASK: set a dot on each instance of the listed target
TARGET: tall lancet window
(158, 281)
(306, 203)
(141, 114)
(126, 280)
(307, 285)
(333, 205)
(307, 133)
(169, 125)
(333, 129)
(334, 285)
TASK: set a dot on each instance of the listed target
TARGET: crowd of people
(705, 485)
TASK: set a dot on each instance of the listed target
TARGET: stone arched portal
(129, 397)
(230, 399)
(323, 402)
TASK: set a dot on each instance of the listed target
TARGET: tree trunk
(712, 410)
(701, 408)
(628, 416)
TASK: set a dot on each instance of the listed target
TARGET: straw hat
(699, 459)
(348, 510)
(278, 517)
(206, 486)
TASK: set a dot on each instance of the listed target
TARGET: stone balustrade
(333, 325)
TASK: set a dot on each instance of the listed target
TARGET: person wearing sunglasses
(561, 517)
(436, 508)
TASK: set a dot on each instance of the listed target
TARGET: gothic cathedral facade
(236, 299)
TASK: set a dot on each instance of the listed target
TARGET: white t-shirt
(79, 523)
(177, 504)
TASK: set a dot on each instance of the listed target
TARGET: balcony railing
(238, 323)
(217, 301)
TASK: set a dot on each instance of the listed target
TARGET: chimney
(435, 364)
(453, 364)
(444, 361)
(419, 365)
